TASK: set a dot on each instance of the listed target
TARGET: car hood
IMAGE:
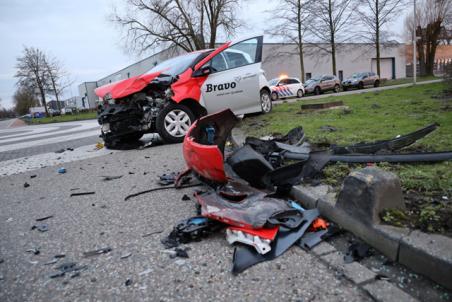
(126, 87)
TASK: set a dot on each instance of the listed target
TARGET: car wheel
(377, 83)
(361, 85)
(266, 102)
(299, 93)
(173, 122)
(317, 90)
(274, 96)
(337, 88)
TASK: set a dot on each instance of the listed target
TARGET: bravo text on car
(169, 97)
(284, 87)
(323, 83)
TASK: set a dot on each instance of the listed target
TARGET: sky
(79, 34)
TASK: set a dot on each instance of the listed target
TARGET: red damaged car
(176, 92)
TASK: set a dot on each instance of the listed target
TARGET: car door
(234, 79)
(294, 86)
(283, 89)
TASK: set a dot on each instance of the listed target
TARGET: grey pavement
(6, 123)
(90, 222)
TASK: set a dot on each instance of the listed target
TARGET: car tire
(265, 101)
(300, 93)
(337, 88)
(360, 85)
(274, 96)
(317, 90)
(173, 122)
(377, 83)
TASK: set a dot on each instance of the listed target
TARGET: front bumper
(350, 84)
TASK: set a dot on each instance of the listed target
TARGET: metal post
(414, 44)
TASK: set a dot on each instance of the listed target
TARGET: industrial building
(281, 59)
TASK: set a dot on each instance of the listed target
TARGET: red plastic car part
(265, 233)
(127, 87)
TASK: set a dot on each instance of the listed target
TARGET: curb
(426, 254)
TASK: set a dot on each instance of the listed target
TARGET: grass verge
(63, 118)
(376, 116)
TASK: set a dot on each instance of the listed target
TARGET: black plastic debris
(82, 193)
(185, 197)
(68, 267)
(152, 233)
(33, 176)
(108, 178)
(44, 218)
(192, 229)
(59, 256)
(126, 255)
(311, 239)
(26, 185)
(52, 261)
(1, 261)
(128, 282)
(34, 251)
(357, 251)
(97, 252)
(42, 227)
(180, 252)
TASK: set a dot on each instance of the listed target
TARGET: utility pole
(414, 44)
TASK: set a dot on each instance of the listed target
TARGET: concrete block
(308, 195)
(428, 254)
(365, 193)
(386, 292)
(354, 271)
(323, 248)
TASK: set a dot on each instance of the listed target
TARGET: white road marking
(29, 163)
(77, 129)
(47, 141)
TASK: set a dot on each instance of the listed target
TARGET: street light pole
(414, 43)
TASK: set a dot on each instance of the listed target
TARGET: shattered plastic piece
(59, 256)
(311, 239)
(152, 233)
(261, 245)
(26, 185)
(100, 251)
(82, 193)
(53, 261)
(245, 256)
(126, 255)
(128, 282)
(192, 229)
(34, 251)
(44, 218)
(99, 146)
(181, 253)
(240, 205)
(108, 178)
(265, 233)
(62, 170)
(57, 275)
(290, 219)
(76, 274)
(167, 179)
(185, 197)
(357, 251)
(42, 227)
(33, 176)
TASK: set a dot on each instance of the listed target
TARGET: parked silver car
(361, 79)
(322, 83)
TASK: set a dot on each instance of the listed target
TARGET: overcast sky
(79, 34)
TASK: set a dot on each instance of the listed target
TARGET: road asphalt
(85, 223)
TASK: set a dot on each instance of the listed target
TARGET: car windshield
(175, 65)
(273, 82)
(314, 79)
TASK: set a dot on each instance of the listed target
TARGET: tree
(431, 18)
(374, 15)
(32, 72)
(332, 23)
(24, 98)
(292, 24)
(57, 77)
(187, 24)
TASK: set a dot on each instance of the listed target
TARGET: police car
(285, 87)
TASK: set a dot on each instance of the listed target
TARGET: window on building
(341, 75)
(308, 75)
(128, 75)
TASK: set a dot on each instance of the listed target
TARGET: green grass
(63, 118)
(374, 116)
(408, 80)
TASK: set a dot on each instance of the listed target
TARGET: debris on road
(126, 255)
(185, 197)
(357, 251)
(82, 193)
(33, 176)
(42, 227)
(97, 252)
(26, 185)
(67, 267)
(128, 282)
(62, 170)
(44, 218)
(34, 251)
(108, 178)
(167, 179)
(152, 233)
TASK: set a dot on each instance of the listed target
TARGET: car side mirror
(203, 71)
